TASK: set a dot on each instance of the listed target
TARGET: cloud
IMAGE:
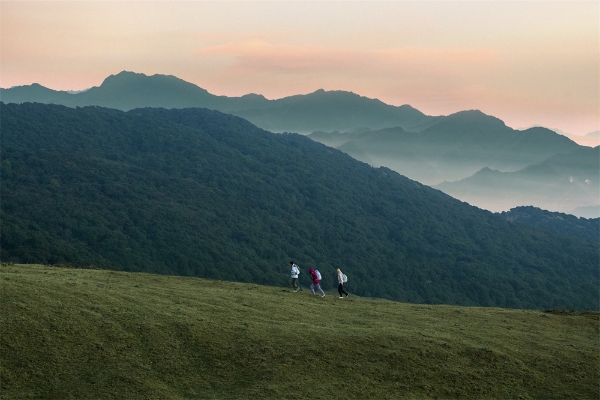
(251, 57)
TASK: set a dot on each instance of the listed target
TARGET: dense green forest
(200, 193)
(558, 223)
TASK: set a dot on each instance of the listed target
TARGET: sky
(525, 62)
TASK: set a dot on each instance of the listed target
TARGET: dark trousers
(341, 290)
(294, 284)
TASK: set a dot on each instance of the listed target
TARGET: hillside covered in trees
(558, 223)
(200, 193)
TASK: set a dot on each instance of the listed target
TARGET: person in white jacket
(295, 272)
(341, 279)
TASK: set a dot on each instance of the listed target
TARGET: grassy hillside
(75, 333)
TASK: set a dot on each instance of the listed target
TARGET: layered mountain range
(565, 182)
(201, 193)
(320, 110)
(478, 159)
(452, 148)
(470, 155)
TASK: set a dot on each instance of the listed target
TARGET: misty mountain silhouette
(129, 90)
(332, 110)
(431, 150)
(34, 93)
(452, 148)
(561, 182)
(321, 110)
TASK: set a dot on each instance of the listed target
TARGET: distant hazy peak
(128, 78)
(409, 107)
(123, 76)
(254, 96)
(338, 93)
(469, 121)
(595, 134)
(321, 92)
(33, 86)
(139, 75)
(487, 171)
(347, 95)
(474, 116)
(540, 130)
(394, 129)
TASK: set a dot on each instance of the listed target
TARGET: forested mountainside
(558, 223)
(198, 192)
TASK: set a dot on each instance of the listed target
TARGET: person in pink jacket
(316, 282)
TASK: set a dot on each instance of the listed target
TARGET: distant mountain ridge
(321, 110)
(591, 139)
(451, 148)
(441, 150)
(562, 182)
(476, 158)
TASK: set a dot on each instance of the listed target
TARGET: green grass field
(96, 334)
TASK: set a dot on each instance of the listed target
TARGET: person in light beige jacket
(341, 279)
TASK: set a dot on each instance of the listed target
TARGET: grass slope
(74, 333)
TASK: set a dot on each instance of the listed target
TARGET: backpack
(318, 274)
(344, 278)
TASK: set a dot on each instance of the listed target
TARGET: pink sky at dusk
(525, 62)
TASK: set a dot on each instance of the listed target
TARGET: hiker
(295, 273)
(316, 279)
(341, 279)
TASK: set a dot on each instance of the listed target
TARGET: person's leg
(321, 290)
(340, 289)
(312, 288)
(294, 285)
